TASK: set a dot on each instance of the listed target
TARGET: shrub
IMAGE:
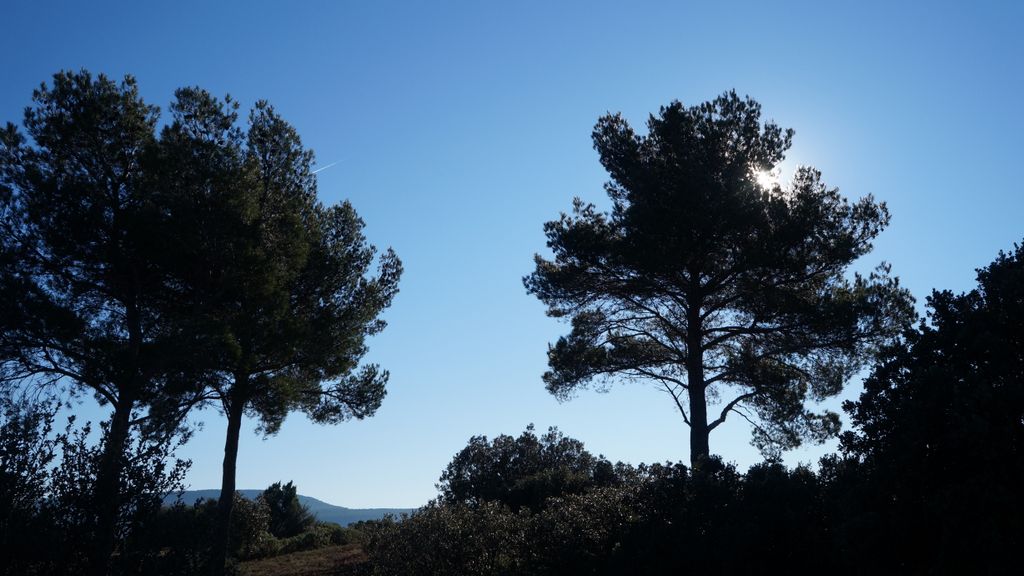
(288, 517)
(483, 540)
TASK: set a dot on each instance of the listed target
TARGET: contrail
(325, 167)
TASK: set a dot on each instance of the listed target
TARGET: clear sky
(459, 128)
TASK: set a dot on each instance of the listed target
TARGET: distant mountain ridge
(324, 512)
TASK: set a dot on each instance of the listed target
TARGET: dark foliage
(27, 449)
(288, 517)
(655, 520)
(83, 247)
(48, 492)
(149, 474)
(278, 286)
(939, 445)
(928, 482)
(522, 472)
(450, 539)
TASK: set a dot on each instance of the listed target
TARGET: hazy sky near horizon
(457, 129)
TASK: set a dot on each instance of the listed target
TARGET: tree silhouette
(288, 516)
(277, 283)
(80, 261)
(701, 280)
(939, 440)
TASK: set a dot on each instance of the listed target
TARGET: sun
(766, 179)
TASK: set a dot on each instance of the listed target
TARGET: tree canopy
(718, 289)
(80, 261)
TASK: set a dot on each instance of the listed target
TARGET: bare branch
(679, 404)
(729, 407)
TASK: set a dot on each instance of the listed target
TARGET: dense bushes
(185, 532)
(449, 539)
(660, 519)
(26, 452)
(48, 513)
(652, 521)
(939, 439)
(576, 532)
(317, 535)
(47, 492)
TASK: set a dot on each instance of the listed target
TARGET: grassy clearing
(344, 560)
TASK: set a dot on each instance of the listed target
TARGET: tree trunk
(111, 465)
(699, 449)
(235, 407)
(108, 494)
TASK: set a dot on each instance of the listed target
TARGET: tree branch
(729, 407)
(679, 404)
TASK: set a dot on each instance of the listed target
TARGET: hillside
(324, 512)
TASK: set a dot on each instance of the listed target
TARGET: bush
(288, 517)
(319, 535)
(524, 471)
(347, 535)
(250, 527)
(182, 535)
(48, 513)
(26, 451)
(450, 539)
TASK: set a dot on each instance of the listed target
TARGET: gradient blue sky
(459, 128)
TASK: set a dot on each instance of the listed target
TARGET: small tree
(48, 505)
(701, 279)
(288, 516)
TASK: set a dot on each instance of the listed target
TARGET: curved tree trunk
(108, 494)
(235, 407)
(111, 466)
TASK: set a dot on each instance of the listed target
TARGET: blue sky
(459, 128)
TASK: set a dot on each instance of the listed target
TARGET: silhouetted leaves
(288, 516)
(82, 253)
(160, 272)
(700, 279)
(939, 446)
(522, 472)
(48, 497)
